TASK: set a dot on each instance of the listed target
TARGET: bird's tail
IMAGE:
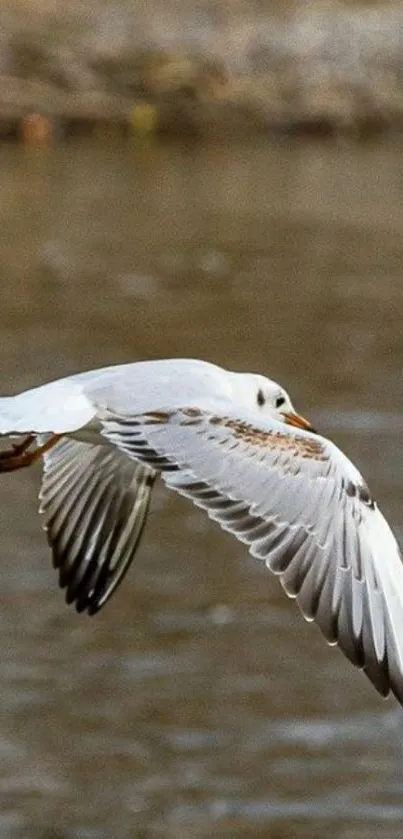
(11, 420)
(57, 408)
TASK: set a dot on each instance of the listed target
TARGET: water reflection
(199, 703)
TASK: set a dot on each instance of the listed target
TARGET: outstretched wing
(301, 506)
(95, 503)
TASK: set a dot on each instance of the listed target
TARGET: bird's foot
(19, 455)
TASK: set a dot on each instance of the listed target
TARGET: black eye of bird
(260, 398)
(280, 401)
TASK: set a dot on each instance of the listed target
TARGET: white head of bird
(270, 399)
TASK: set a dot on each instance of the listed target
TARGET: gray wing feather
(292, 500)
(95, 503)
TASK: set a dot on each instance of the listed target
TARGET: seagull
(233, 444)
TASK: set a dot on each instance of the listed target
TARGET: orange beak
(299, 422)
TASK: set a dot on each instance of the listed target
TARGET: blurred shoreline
(215, 69)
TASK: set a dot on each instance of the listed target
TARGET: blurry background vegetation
(206, 66)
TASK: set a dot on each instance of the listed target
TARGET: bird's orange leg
(20, 456)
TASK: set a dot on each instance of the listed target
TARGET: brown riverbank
(211, 69)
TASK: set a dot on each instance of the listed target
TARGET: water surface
(199, 703)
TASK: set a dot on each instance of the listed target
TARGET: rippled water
(199, 703)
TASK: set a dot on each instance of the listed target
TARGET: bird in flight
(234, 445)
